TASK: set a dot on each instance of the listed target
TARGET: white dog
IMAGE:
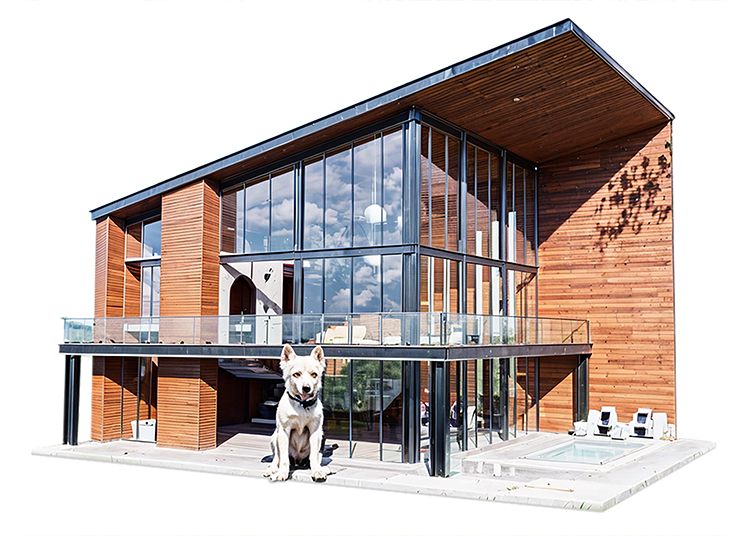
(299, 416)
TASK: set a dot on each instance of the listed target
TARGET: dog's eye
(314, 374)
(297, 374)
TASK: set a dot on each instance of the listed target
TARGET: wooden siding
(556, 388)
(190, 251)
(109, 269)
(605, 233)
(112, 406)
(187, 394)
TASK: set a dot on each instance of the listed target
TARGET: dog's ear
(317, 353)
(287, 354)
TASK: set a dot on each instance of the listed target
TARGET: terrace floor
(497, 472)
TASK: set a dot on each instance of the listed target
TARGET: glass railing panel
(363, 329)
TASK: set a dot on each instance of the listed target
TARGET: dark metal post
(504, 399)
(72, 397)
(536, 390)
(462, 406)
(582, 388)
(412, 417)
(439, 419)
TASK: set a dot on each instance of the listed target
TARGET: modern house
(482, 252)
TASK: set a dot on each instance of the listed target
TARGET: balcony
(425, 336)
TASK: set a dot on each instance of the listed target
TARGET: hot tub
(586, 451)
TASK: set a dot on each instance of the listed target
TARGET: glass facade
(342, 214)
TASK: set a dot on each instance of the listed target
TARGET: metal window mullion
(429, 183)
(380, 420)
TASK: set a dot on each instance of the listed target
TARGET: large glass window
(520, 214)
(152, 239)
(440, 179)
(150, 290)
(343, 285)
(258, 216)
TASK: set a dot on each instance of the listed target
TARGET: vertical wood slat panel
(109, 270)
(190, 251)
(620, 276)
(187, 391)
(112, 406)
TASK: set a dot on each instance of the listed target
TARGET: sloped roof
(542, 96)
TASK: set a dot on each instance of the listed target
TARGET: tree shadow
(631, 191)
(633, 198)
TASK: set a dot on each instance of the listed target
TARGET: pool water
(590, 452)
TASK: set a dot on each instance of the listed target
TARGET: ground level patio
(499, 472)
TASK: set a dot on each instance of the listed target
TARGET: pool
(586, 451)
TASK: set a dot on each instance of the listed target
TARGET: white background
(101, 99)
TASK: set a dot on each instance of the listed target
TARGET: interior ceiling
(547, 100)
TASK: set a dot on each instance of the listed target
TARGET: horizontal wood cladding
(190, 251)
(605, 253)
(109, 269)
(113, 397)
(187, 394)
(556, 390)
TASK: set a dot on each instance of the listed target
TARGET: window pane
(240, 224)
(367, 277)
(368, 211)
(257, 228)
(336, 397)
(229, 221)
(366, 406)
(392, 187)
(337, 286)
(155, 290)
(152, 239)
(282, 211)
(392, 283)
(313, 212)
(392, 411)
(146, 291)
(338, 199)
(438, 200)
(451, 192)
(471, 201)
(312, 286)
(425, 202)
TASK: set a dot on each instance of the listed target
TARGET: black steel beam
(333, 351)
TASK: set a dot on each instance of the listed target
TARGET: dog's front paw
(320, 475)
(280, 475)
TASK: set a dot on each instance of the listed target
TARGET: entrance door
(242, 297)
(242, 300)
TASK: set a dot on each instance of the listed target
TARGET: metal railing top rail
(408, 328)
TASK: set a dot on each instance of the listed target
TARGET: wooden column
(187, 387)
(107, 397)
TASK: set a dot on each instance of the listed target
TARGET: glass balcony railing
(360, 329)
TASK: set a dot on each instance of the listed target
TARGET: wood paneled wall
(109, 270)
(190, 251)
(187, 394)
(113, 397)
(605, 233)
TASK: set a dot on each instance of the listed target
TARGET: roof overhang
(542, 96)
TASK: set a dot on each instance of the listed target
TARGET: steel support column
(72, 397)
(581, 392)
(440, 454)
(412, 415)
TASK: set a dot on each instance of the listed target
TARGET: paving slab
(500, 472)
